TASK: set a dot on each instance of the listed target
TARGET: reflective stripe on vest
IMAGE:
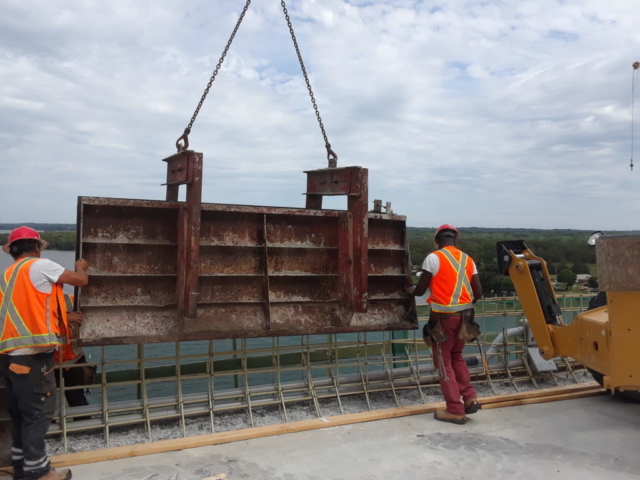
(27, 331)
(462, 283)
(8, 310)
(70, 351)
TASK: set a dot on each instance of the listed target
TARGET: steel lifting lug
(332, 157)
(185, 140)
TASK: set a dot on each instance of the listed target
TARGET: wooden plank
(220, 476)
(494, 401)
(544, 392)
(238, 435)
(553, 398)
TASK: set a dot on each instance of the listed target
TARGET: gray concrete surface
(592, 438)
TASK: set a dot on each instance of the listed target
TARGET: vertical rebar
(363, 379)
(525, 358)
(245, 372)
(388, 367)
(210, 384)
(142, 389)
(486, 367)
(335, 357)
(310, 384)
(283, 405)
(105, 399)
(416, 370)
(63, 403)
(179, 388)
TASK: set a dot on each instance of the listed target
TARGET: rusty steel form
(169, 270)
(282, 372)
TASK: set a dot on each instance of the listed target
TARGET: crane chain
(331, 155)
(187, 131)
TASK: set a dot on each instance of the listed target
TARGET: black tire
(628, 396)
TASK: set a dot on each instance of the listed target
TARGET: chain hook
(332, 157)
(185, 140)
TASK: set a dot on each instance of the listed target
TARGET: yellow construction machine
(606, 339)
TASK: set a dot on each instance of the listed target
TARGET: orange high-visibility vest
(451, 286)
(71, 352)
(29, 318)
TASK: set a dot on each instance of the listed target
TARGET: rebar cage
(148, 384)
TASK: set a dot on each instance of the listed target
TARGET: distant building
(582, 278)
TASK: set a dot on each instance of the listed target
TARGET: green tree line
(57, 240)
(562, 250)
(41, 227)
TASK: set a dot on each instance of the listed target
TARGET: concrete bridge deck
(589, 438)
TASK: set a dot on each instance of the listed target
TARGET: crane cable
(634, 80)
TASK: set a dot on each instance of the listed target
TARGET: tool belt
(469, 328)
(84, 375)
(88, 374)
(433, 331)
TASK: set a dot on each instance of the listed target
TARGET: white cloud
(476, 113)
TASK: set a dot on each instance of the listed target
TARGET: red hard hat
(445, 227)
(22, 233)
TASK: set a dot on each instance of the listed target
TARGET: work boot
(54, 474)
(445, 416)
(471, 406)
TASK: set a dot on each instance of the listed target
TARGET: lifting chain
(185, 136)
(183, 142)
(331, 155)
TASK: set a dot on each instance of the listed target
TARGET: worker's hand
(82, 265)
(75, 318)
(409, 290)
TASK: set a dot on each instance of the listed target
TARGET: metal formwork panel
(262, 271)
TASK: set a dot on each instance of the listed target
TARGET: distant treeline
(562, 249)
(57, 240)
(41, 227)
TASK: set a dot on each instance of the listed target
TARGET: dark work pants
(73, 377)
(30, 389)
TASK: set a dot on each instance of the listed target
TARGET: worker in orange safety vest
(33, 323)
(452, 278)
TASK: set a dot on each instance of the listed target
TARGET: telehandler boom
(606, 340)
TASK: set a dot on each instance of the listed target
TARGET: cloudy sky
(476, 113)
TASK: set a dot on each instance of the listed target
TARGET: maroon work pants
(455, 380)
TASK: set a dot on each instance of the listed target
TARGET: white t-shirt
(432, 264)
(43, 274)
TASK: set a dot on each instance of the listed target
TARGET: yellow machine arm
(535, 291)
(606, 339)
